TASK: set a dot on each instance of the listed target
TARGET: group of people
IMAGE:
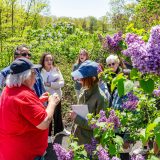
(31, 96)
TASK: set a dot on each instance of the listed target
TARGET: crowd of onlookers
(31, 97)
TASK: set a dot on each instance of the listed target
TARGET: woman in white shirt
(53, 82)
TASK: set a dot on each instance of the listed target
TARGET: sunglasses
(111, 64)
(24, 54)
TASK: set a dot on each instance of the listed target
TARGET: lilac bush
(113, 119)
(130, 102)
(156, 92)
(112, 44)
(111, 122)
(61, 153)
(144, 56)
(91, 147)
(102, 154)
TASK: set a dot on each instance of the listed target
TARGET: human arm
(52, 103)
(33, 110)
(58, 83)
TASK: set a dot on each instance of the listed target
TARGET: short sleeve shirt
(20, 112)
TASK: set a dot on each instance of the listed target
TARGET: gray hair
(112, 58)
(16, 80)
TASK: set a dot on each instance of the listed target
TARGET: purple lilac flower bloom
(137, 157)
(102, 117)
(91, 147)
(61, 153)
(102, 154)
(93, 123)
(156, 92)
(145, 56)
(112, 44)
(113, 119)
(130, 102)
(115, 158)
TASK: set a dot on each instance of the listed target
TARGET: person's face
(31, 80)
(24, 53)
(48, 61)
(114, 65)
(82, 56)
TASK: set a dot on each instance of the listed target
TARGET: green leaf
(115, 81)
(118, 140)
(153, 158)
(157, 120)
(96, 132)
(147, 86)
(120, 87)
(105, 136)
(128, 86)
(134, 73)
(143, 136)
(112, 149)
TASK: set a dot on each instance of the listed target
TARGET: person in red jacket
(24, 121)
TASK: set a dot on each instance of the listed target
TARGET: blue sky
(78, 8)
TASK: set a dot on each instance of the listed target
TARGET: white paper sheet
(80, 109)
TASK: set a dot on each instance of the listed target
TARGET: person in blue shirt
(23, 51)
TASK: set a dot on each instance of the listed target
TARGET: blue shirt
(38, 86)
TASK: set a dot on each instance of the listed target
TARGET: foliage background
(27, 22)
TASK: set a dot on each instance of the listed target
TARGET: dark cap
(87, 69)
(22, 64)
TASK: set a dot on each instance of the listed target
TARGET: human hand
(72, 115)
(44, 97)
(54, 99)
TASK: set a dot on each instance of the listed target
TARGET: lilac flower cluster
(91, 147)
(61, 153)
(102, 154)
(93, 123)
(156, 92)
(130, 102)
(112, 44)
(137, 157)
(102, 117)
(145, 56)
(113, 119)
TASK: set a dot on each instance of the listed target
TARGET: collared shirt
(20, 112)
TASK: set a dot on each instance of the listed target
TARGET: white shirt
(54, 77)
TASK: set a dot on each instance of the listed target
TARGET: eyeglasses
(111, 64)
(24, 54)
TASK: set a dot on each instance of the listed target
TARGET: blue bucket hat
(87, 69)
